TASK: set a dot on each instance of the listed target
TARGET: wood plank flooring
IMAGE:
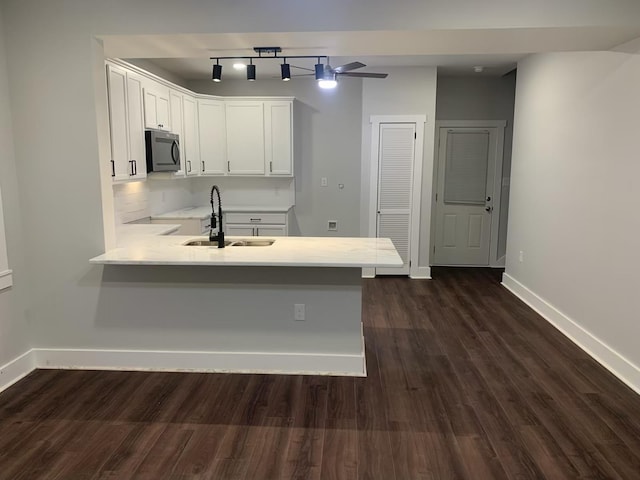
(464, 381)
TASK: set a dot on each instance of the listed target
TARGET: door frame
(500, 126)
(418, 159)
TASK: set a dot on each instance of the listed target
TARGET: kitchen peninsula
(294, 306)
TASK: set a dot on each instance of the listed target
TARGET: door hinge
(436, 197)
(415, 135)
(434, 249)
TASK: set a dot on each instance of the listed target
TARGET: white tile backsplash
(136, 200)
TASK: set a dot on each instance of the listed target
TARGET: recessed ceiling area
(453, 51)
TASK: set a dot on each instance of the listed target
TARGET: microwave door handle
(175, 147)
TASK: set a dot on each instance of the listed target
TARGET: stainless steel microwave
(163, 151)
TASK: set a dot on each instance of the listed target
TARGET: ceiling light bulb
(239, 66)
(327, 83)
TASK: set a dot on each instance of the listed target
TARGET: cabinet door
(117, 88)
(245, 138)
(271, 231)
(190, 148)
(163, 109)
(278, 138)
(212, 137)
(239, 231)
(156, 106)
(137, 151)
(175, 99)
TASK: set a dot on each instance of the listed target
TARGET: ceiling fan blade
(364, 75)
(348, 66)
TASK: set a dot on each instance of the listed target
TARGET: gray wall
(327, 132)
(574, 198)
(483, 98)
(13, 320)
(407, 91)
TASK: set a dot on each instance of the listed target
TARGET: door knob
(488, 208)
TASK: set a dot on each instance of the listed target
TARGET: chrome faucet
(216, 219)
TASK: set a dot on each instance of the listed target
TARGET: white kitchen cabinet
(212, 137)
(156, 106)
(254, 224)
(177, 122)
(190, 148)
(245, 137)
(278, 128)
(126, 125)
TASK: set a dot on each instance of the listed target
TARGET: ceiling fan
(330, 73)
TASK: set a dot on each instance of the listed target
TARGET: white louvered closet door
(395, 179)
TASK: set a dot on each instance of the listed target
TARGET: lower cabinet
(256, 224)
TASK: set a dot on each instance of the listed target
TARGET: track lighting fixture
(323, 73)
(251, 71)
(285, 71)
(217, 72)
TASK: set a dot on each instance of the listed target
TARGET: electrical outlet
(521, 257)
(332, 225)
(324, 182)
(298, 311)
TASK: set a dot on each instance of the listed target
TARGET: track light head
(217, 72)
(285, 71)
(251, 72)
(319, 71)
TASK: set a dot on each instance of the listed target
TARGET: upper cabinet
(189, 140)
(156, 106)
(239, 136)
(128, 160)
(245, 137)
(278, 127)
(212, 137)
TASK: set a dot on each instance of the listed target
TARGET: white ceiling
(455, 50)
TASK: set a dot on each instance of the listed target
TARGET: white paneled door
(396, 152)
(465, 191)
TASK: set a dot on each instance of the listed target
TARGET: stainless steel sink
(252, 243)
(206, 243)
(231, 243)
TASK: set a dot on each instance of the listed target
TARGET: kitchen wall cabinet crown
(126, 124)
(232, 136)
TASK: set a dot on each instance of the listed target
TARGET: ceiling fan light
(319, 71)
(217, 73)
(285, 70)
(327, 83)
(251, 72)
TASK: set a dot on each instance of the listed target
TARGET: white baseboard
(222, 362)
(596, 348)
(421, 273)
(368, 272)
(16, 369)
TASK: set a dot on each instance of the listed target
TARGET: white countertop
(285, 252)
(204, 212)
(131, 232)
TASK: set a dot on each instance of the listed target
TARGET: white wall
(326, 144)
(407, 91)
(483, 98)
(13, 320)
(574, 199)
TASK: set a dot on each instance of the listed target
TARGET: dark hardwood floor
(464, 381)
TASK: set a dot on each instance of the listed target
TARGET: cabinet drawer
(257, 218)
